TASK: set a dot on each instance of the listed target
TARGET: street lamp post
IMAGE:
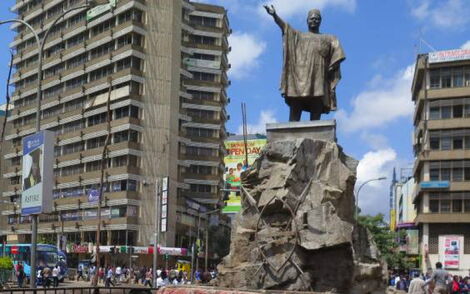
(359, 190)
(40, 44)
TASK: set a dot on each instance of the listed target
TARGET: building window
(445, 205)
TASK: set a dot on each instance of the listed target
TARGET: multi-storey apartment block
(165, 63)
(441, 91)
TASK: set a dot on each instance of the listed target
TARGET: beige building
(441, 91)
(166, 63)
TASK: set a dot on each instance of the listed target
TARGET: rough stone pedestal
(317, 130)
(296, 229)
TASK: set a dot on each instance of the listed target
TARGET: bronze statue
(311, 67)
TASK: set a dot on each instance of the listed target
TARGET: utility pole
(157, 230)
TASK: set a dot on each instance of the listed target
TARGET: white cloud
(290, 8)
(376, 141)
(266, 116)
(246, 49)
(466, 45)
(448, 14)
(373, 197)
(385, 100)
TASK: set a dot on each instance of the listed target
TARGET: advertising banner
(100, 9)
(449, 55)
(202, 63)
(412, 242)
(451, 252)
(37, 173)
(235, 164)
(164, 205)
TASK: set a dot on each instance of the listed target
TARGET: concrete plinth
(324, 130)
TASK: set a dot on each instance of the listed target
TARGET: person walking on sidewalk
(439, 277)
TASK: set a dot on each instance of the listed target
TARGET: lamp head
(382, 178)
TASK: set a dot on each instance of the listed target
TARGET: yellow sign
(235, 164)
(393, 220)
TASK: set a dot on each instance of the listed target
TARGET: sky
(380, 39)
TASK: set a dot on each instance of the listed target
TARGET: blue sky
(381, 40)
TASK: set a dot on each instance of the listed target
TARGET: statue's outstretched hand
(270, 9)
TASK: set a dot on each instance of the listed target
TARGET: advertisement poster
(37, 173)
(412, 242)
(451, 252)
(235, 164)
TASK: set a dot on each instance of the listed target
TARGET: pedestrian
(162, 280)
(92, 273)
(455, 285)
(55, 276)
(439, 277)
(465, 286)
(109, 278)
(46, 276)
(80, 272)
(148, 278)
(20, 274)
(416, 285)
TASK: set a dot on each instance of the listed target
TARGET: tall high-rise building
(441, 91)
(165, 65)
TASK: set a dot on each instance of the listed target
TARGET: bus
(47, 255)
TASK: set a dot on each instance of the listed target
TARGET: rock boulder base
(296, 230)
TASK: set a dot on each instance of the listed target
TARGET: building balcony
(202, 177)
(201, 158)
(84, 176)
(451, 123)
(203, 46)
(459, 154)
(442, 218)
(98, 151)
(119, 223)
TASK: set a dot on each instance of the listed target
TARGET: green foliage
(386, 241)
(47, 239)
(6, 263)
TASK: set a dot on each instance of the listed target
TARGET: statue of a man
(311, 67)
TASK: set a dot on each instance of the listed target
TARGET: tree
(386, 241)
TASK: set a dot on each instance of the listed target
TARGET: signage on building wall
(164, 206)
(202, 63)
(235, 164)
(449, 55)
(434, 185)
(451, 252)
(412, 241)
(100, 9)
(393, 220)
(38, 160)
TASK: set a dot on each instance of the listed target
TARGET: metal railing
(82, 290)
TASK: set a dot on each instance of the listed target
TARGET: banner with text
(235, 164)
(37, 173)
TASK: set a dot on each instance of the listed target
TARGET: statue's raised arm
(272, 11)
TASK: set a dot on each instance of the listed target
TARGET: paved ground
(71, 287)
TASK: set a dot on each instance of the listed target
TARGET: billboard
(449, 55)
(164, 206)
(38, 160)
(412, 241)
(451, 252)
(235, 164)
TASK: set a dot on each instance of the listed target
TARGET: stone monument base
(324, 130)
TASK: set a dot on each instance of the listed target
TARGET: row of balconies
(107, 224)
(26, 34)
(83, 154)
(84, 88)
(86, 68)
(79, 134)
(78, 178)
(94, 42)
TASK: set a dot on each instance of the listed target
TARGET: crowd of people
(115, 275)
(45, 276)
(437, 282)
